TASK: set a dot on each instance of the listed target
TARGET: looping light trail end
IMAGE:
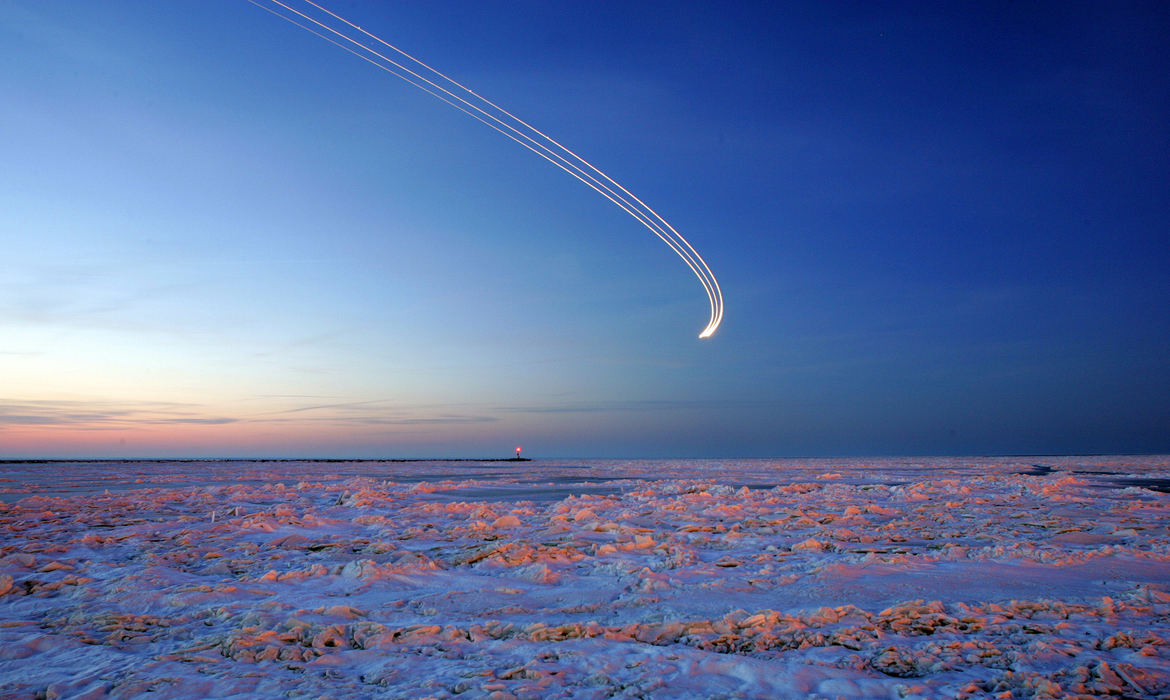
(341, 32)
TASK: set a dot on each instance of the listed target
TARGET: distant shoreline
(260, 460)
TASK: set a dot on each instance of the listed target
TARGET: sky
(939, 228)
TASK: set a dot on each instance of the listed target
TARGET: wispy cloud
(389, 420)
(370, 413)
(102, 415)
(111, 415)
(81, 305)
(343, 406)
(373, 412)
(646, 405)
(200, 421)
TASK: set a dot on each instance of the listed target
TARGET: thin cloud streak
(97, 415)
(647, 405)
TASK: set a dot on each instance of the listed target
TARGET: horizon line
(50, 460)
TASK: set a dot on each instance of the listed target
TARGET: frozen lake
(554, 479)
(1034, 577)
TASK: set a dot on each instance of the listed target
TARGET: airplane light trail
(343, 33)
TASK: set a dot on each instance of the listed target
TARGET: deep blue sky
(940, 228)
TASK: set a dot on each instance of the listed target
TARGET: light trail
(327, 25)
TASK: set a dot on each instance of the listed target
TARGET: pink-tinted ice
(1047, 577)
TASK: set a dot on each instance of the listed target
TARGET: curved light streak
(348, 36)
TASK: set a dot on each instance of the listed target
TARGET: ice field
(957, 577)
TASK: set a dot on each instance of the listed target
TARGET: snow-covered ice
(1039, 577)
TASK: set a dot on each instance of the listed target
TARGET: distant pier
(260, 460)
